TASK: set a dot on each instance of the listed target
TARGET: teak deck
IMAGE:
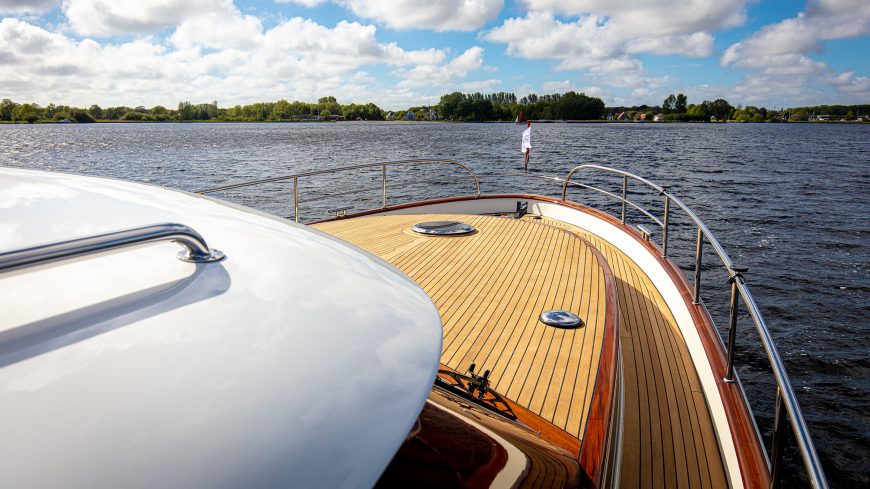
(490, 288)
(668, 435)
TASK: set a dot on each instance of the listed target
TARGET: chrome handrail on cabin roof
(786, 400)
(785, 396)
(195, 248)
(382, 165)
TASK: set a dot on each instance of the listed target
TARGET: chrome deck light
(561, 319)
(443, 228)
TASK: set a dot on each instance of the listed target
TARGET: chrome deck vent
(561, 319)
(443, 228)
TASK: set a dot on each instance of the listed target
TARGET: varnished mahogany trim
(485, 475)
(750, 455)
(594, 445)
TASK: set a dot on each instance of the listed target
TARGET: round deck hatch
(443, 228)
(561, 319)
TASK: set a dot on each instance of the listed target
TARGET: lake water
(791, 202)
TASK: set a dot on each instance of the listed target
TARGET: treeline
(456, 106)
(326, 108)
(676, 108)
(502, 106)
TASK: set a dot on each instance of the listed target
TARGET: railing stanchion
(776, 448)
(624, 196)
(296, 198)
(732, 331)
(384, 184)
(665, 227)
(699, 252)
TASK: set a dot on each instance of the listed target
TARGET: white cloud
(482, 86)
(557, 86)
(858, 88)
(443, 74)
(27, 6)
(304, 3)
(664, 17)
(118, 17)
(785, 45)
(440, 15)
(296, 59)
(696, 45)
(586, 43)
(236, 31)
(606, 36)
(780, 53)
(594, 91)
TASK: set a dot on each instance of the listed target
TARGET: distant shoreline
(313, 121)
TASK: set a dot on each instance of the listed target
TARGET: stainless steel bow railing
(294, 178)
(786, 401)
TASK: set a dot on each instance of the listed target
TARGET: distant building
(410, 116)
(622, 116)
(659, 118)
(641, 117)
(432, 115)
(823, 117)
(390, 116)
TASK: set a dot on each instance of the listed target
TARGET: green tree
(185, 111)
(6, 108)
(850, 116)
(281, 111)
(680, 103)
(448, 105)
(80, 116)
(25, 113)
(670, 104)
(132, 115)
(96, 111)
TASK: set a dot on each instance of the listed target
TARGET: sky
(401, 53)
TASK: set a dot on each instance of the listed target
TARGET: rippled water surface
(791, 202)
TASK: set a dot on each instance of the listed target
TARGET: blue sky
(399, 53)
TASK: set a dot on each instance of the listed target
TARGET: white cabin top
(298, 360)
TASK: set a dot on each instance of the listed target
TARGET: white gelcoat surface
(299, 361)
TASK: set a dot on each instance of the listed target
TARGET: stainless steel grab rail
(195, 248)
(382, 165)
(786, 401)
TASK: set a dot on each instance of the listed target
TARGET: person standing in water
(527, 145)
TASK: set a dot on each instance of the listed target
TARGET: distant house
(390, 116)
(659, 118)
(432, 115)
(823, 117)
(622, 116)
(410, 116)
(641, 117)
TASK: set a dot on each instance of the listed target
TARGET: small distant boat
(520, 119)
